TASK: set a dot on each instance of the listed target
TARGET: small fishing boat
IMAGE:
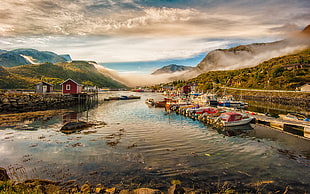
(161, 103)
(150, 101)
(229, 119)
(121, 98)
(294, 117)
(230, 101)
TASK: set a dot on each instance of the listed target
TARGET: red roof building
(186, 89)
(71, 87)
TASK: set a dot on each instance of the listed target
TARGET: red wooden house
(186, 89)
(71, 87)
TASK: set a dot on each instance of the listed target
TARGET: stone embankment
(10, 103)
(301, 99)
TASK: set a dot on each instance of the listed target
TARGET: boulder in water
(73, 127)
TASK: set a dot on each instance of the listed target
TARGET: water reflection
(69, 117)
(236, 130)
(142, 146)
(275, 109)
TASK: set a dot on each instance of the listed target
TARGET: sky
(116, 32)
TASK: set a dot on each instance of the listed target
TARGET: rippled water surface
(148, 147)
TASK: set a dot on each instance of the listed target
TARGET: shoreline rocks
(77, 126)
(73, 127)
(4, 175)
(16, 103)
(284, 98)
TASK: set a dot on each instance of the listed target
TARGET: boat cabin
(71, 87)
(231, 116)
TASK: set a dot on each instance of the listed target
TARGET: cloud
(139, 30)
(152, 18)
(118, 49)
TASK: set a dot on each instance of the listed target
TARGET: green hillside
(80, 71)
(281, 73)
(9, 80)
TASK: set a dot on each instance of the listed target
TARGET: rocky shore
(42, 186)
(301, 99)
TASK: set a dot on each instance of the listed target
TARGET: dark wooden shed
(43, 88)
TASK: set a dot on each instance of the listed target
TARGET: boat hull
(237, 123)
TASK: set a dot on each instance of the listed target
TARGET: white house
(305, 88)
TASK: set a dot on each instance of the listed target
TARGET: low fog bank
(227, 60)
(242, 56)
(132, 80)
(245, 56)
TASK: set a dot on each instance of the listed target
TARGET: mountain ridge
(26, 76)
(172, 68)
(25, 56)
(286, 72)
(244, 56)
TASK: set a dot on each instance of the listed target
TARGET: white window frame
(68, 87)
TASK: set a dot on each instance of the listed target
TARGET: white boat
(230, 101)
(229, 119)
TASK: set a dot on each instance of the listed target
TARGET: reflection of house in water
(69, 117)
(43, 88)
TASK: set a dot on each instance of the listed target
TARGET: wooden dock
(297, 127)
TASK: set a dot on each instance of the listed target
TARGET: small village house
(71, 87)
(43, 88)
(305, 88)
(91, 89)
(186, 89)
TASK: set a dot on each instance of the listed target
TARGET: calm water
(142, 146)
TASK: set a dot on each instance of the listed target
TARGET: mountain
(83, 72)
(250, 55)
(67, 57)
(29, 56)
(280, 73)
(11, 59)
(171, 69)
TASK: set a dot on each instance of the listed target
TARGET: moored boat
(160, 104)
(229, 119)
(150, 101)
(230, 101)
(121, 98)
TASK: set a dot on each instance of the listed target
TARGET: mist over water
(137, 79)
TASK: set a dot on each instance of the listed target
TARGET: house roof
(45, 83)
(72, 81)
(305, 85)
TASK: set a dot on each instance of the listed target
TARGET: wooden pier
(297, 127)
